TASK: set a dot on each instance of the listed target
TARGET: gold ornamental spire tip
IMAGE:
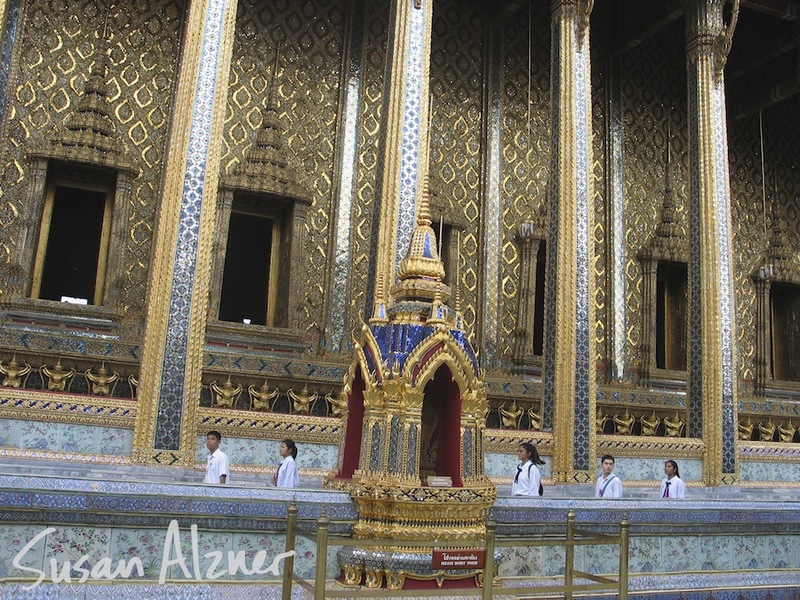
(424, 216)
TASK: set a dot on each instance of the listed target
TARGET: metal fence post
(288, 564)
(488, 561)
(322, 556)
(624, 531)
(570, 555)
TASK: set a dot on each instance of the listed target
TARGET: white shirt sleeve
(224, 468)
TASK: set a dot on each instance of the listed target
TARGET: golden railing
(574, 537)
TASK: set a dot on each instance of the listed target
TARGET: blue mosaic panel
(551, 267)
(581, 450)
(726, 309)
(176, 346)
(376, 448)
(395, 445)
(397, 341)
(695, 424)
(410, 143)
(619, 315)
(467, 454)
(411, 456)
(492, 212)
(65, 437)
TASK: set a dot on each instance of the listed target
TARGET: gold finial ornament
(421, 272)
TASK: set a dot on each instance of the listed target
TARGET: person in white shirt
(287, 475)
(672, 486)
(528, 480)
(217, 468)
(608, 485)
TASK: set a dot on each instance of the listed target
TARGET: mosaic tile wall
(764, 471)
(264, 453)
(65, 437)
(307, 39)
(456, 147)
(656, 64)
(651, 554)
(662, 554)
(70, 543)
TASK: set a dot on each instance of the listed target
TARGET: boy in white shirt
(217, 468)
(608, 485)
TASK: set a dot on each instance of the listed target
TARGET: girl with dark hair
(287, 475)
(528, 480)
(672, 486)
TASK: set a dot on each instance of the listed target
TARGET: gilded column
(529, 238)
(404, 141)
(31, 211)
(763, 358)
(569, 354)
(649, 298)
(712, 379)
(181, 266)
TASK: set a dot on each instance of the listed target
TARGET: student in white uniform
(217, 467)
(608, 485)
(287, 475)
(672, 486)
(528, 480)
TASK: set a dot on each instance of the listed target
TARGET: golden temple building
(242, 216)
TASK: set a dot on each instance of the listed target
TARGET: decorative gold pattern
(66, 408)
(307, 113)
(240, 423)
(455, 150)
(58, 48)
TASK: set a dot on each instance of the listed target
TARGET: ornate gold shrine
(416, 410)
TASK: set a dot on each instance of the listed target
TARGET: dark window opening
(785, 331)
(248, 269)
(72, 260)
(672, 301)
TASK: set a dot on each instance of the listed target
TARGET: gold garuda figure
(57, 378)
(225, 395)
(14, 374)
(103, 382)
(261, 397)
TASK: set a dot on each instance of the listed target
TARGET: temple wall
(490, 161)
(57, 45)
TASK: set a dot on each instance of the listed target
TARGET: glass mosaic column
(9, 19)
(712, 362)
(404, 140)
(181, 268)
(569, 353)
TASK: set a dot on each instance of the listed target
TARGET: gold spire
(422, 260)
